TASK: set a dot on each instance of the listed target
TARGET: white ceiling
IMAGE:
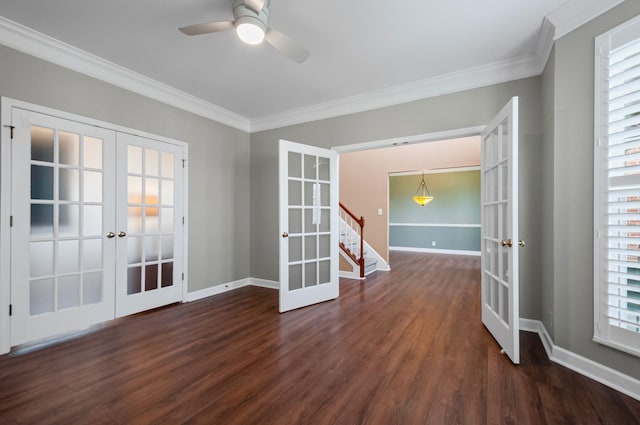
(359, 48)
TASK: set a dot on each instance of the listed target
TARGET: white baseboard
(383, 268)
(230, 286)
(349, 275)
(596, 371)
(218, 289)
(263, 283)
(434, 251)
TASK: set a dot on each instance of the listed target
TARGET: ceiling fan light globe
(250, 32)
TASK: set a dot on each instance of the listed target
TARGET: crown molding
(561, 21)
(575, 13)
(26, 40)
(485, 75)
(544, 44)
(566, 18)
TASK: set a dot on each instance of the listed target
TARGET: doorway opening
(499, 220)
(379, 184)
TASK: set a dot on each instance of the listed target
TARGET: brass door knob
(521, 242)
(122, 234)
(111, 235)
(285, 235)
(508, 243)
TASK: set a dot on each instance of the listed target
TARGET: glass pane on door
(309, 243)
(309, 256)
(66, 225)
(150, 218)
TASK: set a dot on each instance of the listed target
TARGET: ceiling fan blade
(255, 5)
(287, 46)
(207, 27)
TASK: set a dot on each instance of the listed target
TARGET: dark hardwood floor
(404, 347)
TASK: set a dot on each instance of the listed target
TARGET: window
(617, 188)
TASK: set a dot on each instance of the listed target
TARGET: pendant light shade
(422, 196)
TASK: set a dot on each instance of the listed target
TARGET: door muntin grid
(496, 270)
(66, 219)
(309, 221)
(151, 219)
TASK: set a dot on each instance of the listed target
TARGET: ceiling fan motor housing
(244, 15)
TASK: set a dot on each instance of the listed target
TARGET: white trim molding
(594, 370)
(34, 43)
(561, 21)
(435, 171)
(434, 251)
(346, 274)
(263, 283)
(544, 44)
(467, 79)
(230, 286)
(5, 228)
(434, 225)
(575, 13)
(408, 140)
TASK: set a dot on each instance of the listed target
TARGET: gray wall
(454, 111)
(219, 212)
(572, 230)
(456, 201)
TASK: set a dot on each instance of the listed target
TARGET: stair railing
(351, 236)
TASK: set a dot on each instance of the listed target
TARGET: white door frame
(417, 138)
(5, 228)
(6, 105)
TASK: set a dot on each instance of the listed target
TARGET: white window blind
(617, 188)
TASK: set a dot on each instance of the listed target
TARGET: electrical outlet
(379, 211)
(433, 243)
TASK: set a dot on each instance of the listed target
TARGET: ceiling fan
(252, 26)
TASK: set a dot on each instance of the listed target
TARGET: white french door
(149, 222)
(97, 224)
(63, 187)
(308, 225)
(500, 244)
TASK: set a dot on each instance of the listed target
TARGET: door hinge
(10, 309)
(183, 161)
(10, 127)
(182, 275)
(182, 220)
(10, 221)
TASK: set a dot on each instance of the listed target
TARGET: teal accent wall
(452, 238)
(456, 201)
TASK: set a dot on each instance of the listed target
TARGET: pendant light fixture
(422, 196)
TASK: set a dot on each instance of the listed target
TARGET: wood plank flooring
(404, 347)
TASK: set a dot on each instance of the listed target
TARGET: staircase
(352, 245)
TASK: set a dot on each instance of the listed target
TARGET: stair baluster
(351, 237)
